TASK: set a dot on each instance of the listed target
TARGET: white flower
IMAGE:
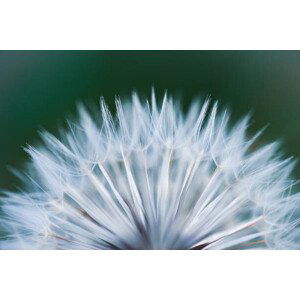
(153, 178)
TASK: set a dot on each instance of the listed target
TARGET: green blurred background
(40, 88)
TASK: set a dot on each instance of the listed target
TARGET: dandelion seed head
(151, 177)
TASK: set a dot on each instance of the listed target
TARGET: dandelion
(153, 178)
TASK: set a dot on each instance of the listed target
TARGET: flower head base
(153, 178)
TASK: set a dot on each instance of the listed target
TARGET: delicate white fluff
(153, 178)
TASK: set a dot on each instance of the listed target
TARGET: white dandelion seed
(153, 178)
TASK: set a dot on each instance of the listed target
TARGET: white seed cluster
(153, 178)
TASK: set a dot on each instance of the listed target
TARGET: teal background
(40, 88)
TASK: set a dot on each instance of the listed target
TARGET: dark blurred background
(40, 88)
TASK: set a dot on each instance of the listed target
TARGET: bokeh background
(38, 89)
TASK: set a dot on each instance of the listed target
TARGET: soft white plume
(153, 178)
